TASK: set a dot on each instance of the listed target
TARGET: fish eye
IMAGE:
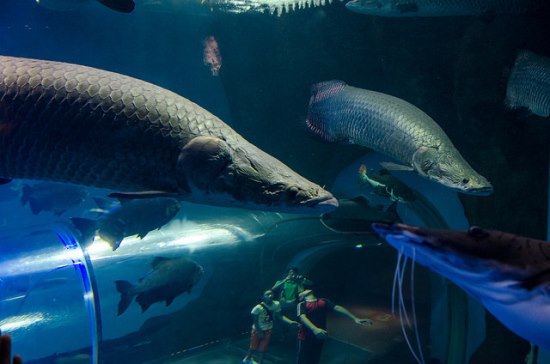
(477, 232)
(465, 180)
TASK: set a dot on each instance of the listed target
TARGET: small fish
(50, 196)
(508, 274)
(340, 113)
(130, 217)
(169, 278)
(419, 8)
(123, 6)
(211, 55)
(386, 185)
(529, 84)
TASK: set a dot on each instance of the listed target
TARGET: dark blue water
(454, 69)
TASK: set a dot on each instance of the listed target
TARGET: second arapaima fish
(343, 114)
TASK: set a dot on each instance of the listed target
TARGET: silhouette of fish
(130, 217)
(51, 196)
(169, 278)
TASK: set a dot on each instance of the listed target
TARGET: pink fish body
(211, 55)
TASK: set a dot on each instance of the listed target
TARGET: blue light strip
(91, 297)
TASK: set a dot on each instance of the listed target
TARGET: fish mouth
(323, 204)
(480, 191)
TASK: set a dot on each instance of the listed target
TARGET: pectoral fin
(202, 160)
(424, 160)
(396, 167)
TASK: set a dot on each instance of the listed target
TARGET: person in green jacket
(290, 287)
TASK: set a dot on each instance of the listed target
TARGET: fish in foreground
(169, 278)
(419, 8)
(529, 84)
(343, 114)
(386, 185)
(508, 274)
(122, 6)
(70, 123)
(50, 196)
(130, 217)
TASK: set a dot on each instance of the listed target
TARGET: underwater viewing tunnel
(164, 164)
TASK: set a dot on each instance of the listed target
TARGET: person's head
(292, 272)
(268, 296)
(308, 293)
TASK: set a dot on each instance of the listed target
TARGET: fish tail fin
(125, 289)
(35, 206)
(316, 122)
(86, 227)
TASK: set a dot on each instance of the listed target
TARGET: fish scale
(66, 97)
(529, 84)
(392, 126)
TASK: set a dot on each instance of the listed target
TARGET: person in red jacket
(312, 313)
(263, 315)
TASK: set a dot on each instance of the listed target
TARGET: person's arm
(319, 333)
(285, 319)
(278, 284)
(306, 282)
(343, 311)
(5, 351)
